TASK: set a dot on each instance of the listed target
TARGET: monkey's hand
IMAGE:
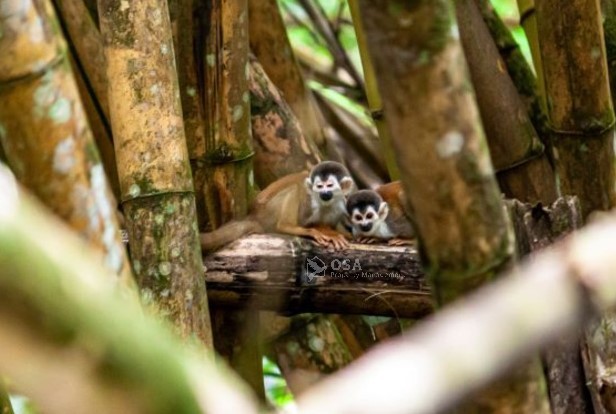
(327, 237)
(399, 242)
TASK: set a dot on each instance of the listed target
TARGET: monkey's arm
(289, 222)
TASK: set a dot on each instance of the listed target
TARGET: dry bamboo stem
(50, 147)
(153, 166)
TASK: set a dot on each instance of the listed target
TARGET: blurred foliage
(22, 405)
(508, 11)
(276, 388)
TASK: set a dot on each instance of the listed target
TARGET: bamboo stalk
(228, 169)
(61, 318)
(228, 144)
(580, 111)
(608, 8)
(270, 44)
(446, 170)
(372, 93)
(87, 43)
(465, 243)
(153, 165)
(101, 130)
(311, 350)
(88, 63)
(50, 148)
(528, 20)
(511, 136)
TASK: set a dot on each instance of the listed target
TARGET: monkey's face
(366, 212)
(329, 189)
(367, 219)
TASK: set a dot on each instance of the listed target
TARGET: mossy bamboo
(50, 147)
(153, 165)
(511, 136)
(533, 181)
(608, 8)
(464, 232)
(528, 20)
(465, 243)
(581, 114)
(228, 144)
(229, 177)
(101, 130)
(507, 110)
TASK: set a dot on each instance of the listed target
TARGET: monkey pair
(315, 205)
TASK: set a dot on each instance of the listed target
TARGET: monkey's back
(281, 200)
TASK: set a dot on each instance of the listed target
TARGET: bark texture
(446, 168)
(580, 109)
(464, 233)
(50, 147)
(270, 44)
(281, 147)
(511, 136)
(155, 177)
(268, 272)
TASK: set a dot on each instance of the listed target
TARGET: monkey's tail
(227, 233)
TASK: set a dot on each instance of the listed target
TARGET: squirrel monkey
(302, 204)
(380, 215)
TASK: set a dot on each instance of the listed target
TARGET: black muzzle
(366, 227)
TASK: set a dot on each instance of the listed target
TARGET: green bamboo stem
(528, 20)
(61, 318)
(375, 104)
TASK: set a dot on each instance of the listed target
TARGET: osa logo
(315, 267)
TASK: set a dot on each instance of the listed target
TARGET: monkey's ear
(308, 183)
(347, 184)
(383, 210)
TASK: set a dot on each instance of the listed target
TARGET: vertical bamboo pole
(153, 165)
(464, 233)
(372, 93)
(50, 148)
(528, 20)
(580, 107)
(229, 178)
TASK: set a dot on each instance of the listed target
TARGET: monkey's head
(366, 211)
(330, 181)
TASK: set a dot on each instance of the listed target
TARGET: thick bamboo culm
(51, 148)
(153, 164)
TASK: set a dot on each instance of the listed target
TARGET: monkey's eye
(357, 217)
(319, 186)
(330, 185)
(370, 216)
